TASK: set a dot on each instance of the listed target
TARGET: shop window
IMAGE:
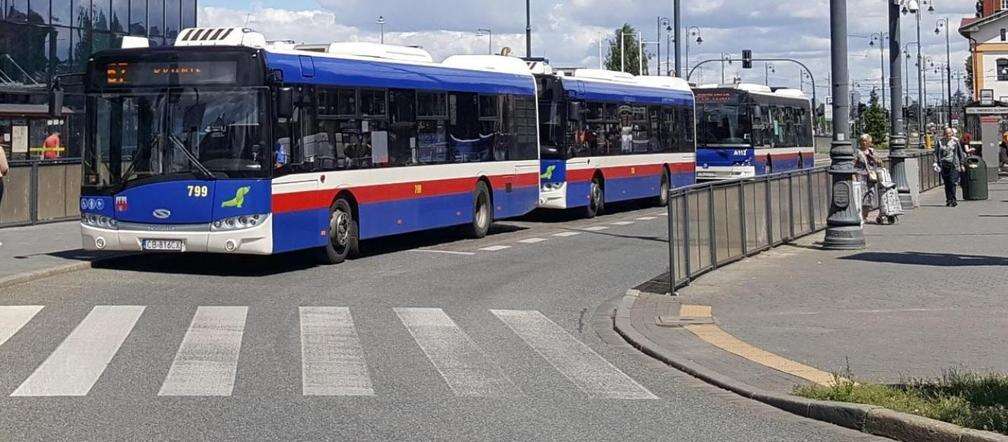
(1002, 69)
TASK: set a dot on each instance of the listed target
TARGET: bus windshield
(183, 133)
(723, 124)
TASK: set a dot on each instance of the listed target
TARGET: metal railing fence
(41, 191)
(715, 224)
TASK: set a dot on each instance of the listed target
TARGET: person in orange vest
(51, 146)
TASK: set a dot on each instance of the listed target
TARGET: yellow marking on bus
(417, 189)
(716, 336)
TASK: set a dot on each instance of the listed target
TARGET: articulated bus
(609, 136)
(227, 143)
(746, 130)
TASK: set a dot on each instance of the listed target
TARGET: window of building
(17, 11)
(100, 10)
(173, 9)
(1004, 34)
(1002, 69)
(188, 14)
(120, 15)
(138, 17)
(1004, 4)
(38, 11)
(155, 17)
(63, 12)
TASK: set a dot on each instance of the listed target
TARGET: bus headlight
(237, 222)
(99, 221)
(548, 187)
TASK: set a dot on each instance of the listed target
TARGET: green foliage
(614, 60)
(876, 121)
(968, 78)
(971, 400)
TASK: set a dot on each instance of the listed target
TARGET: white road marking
(532, 240)
(578, 362)
(595, 228)
(332, 358)
(75, 366)
(13, 317)
(447, 252)
(465, 368)
(622, 223)
(646, 218)
(495, 248)
(207, 360)
(565, 234)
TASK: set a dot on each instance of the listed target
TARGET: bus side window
(402, 127)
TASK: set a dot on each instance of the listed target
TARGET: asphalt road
(427, 337)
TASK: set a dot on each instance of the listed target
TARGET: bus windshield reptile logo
(548, 174)
(239, 199)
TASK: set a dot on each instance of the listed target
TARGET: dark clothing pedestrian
(1003, 155)
(950, 157)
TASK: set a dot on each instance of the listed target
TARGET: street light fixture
(693, 31)
(913, 7)
(940, 24)
(381, 24)
(489, 33)
(666, 23)
(881, 37)
(767, 69)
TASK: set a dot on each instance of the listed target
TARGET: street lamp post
(381, 25)
(843, 227)
(693, 31)
(725, 56)
(914, 7)
(944, 23)
(881, 37)
(897, 121)
(767, 68)
(662, 21)
(528, 28)
(489, 33)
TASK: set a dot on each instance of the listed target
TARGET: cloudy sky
(568, 31)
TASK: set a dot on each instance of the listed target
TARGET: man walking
(950, 159)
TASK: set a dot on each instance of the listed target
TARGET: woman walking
(865, 163)
(4, 169)
(949, 158)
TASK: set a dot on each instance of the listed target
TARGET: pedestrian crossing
(333, 361)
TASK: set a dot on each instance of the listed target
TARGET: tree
(614, 60)
(876, 120)
(968, 78)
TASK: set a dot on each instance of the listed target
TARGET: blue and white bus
(227, 143)
(609, 136)
(746, 130)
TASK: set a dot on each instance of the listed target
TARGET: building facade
(41, 39)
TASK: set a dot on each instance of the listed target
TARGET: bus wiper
(192, 158)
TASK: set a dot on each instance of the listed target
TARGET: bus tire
(596, 199)
(663, 190)
(482, 212)
(344, 234)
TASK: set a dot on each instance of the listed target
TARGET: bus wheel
(596, 199)
(482, 212)
(344, 239)
(663, 191)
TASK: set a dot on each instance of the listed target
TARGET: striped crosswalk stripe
(578, 362)
(207, 360)
(13, 317)
(532, 240)
(495, 248)
(453, 353)
(77, 363)
(595, 228)
(646, 218)
(622, 223)
(332, 358)
(565, 234)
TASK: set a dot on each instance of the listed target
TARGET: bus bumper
(256, 240)
(553, 196)
(715, 173)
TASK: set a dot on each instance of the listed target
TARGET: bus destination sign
(170, 73)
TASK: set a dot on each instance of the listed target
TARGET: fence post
(711, 226)
(686, 237)
(33, 179)
(769, 212)
(742, 218)
(791, 209)
(811, 200)
(672, 244)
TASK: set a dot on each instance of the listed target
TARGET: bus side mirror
(285, 102)
(56, 102)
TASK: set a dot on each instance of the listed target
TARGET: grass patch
(971, 400)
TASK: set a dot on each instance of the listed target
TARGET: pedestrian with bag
(865, 163)
(1003, 152)
(950, 160)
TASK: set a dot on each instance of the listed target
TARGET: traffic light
(747, 59)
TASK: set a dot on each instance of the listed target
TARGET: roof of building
(970, 25)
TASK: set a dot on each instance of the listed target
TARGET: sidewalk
(43, 248)
(926, 295)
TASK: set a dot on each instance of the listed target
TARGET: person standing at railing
(949, 160)
(51, 146)
(4, 169)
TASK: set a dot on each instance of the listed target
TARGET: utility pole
(920, 81)
(948, 68)
(897, 124)
(528, 28)
(843, 227)
(677, 23)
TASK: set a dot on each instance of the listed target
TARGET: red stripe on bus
(579, 175)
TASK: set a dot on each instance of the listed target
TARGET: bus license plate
(162, 245)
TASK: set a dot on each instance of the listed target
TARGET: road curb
(35, 275)
(866, 418)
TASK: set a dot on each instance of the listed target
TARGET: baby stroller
(889, 205)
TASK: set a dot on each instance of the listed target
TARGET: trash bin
(975, 187)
